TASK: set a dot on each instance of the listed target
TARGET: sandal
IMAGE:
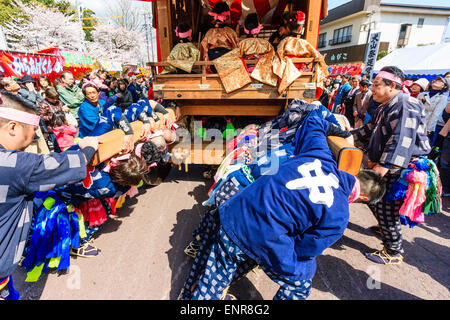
(86, 250)
(181, 294)
(227, 296)
(382, 257)
(192, 249)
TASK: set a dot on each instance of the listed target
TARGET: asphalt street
(142, 255)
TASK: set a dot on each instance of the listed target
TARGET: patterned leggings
(387, 214)
(223, 262)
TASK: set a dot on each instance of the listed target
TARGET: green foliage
(89, 24)
(8, 10)
(382, 54)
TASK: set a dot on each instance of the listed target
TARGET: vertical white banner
(372, 52)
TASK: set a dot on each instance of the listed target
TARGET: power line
(111, 17)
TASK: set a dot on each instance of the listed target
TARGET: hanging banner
(73, 59)
(34, 65)
(372, 52)
(111, 66)
(76, 62)
(354, 69)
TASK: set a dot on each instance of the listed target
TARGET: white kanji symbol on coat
(308, 181)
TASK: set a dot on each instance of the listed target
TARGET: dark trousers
(445, 165)
(387, 214)
(225, 263)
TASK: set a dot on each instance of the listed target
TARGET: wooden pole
(164, 28)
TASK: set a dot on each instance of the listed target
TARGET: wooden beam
(230, 110)
(313, 22)
(112, 143)
(210, 63)
(164, 27)
(348, 157)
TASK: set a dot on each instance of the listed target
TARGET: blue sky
(445, 3)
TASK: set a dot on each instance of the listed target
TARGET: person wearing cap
(14, 87)
(294, 46)
(29, 91)
(418, 87)
(435, 99)
(25, 173)
(282, 221)
(221, 38)
(395, 134)
(344, 89)
(184, 54)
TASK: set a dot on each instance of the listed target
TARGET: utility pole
(151, 35)
(146, 36)
(80, 17)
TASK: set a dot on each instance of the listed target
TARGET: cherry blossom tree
(39, 27)
(114, 42)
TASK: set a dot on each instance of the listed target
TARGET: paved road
(142, 255)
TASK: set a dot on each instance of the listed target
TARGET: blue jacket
(99, 185)
(95, 121)
(283, 225)
(134, 92)
(342, 91)
(22, 175)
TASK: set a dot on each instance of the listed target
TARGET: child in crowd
(64, 132)
(50, 105)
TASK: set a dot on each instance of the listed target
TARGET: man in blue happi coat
(22, 175)
(283, 221)
(93, 111)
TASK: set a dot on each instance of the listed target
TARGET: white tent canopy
(424, 60)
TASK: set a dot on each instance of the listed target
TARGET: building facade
(345, 32)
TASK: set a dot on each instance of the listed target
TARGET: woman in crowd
(435, 99)
(125, 99)
(50, 105)
(418, 87)
(333, 92)
(43, 84)
(327, 88)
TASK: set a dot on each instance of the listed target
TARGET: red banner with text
(34, 65)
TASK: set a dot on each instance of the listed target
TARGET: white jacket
(434, 107)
